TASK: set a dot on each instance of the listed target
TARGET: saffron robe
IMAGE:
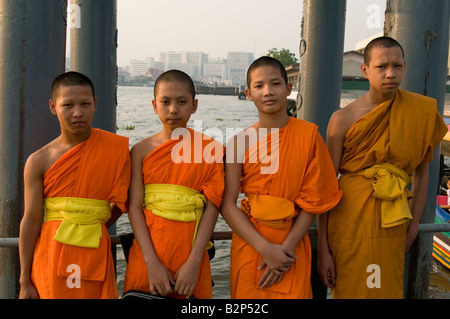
(173, 240)
(100, 169)
(305, 179)
(369, 258)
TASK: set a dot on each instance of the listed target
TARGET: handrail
(115, 239)
(226, 235)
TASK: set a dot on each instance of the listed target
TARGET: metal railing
(226, 235)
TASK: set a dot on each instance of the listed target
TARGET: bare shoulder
(344, 118)
(35, 164)
(144, 147)
(340, 122)
(41, 160)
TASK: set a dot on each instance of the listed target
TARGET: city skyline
(230, 70)
(218, 27)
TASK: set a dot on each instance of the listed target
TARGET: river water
(216, 113)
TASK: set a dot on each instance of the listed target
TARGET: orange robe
(370, 258)
(305, 179)
(98, 168)
(172, 240)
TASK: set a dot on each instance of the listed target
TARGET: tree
(284, 56)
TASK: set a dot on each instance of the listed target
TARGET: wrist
(263, 246)
(413, 224)
(25, 280)
(196, 256)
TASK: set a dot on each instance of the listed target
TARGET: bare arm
(116, 211)
(159, 277)
(419, 190)
(30, 225)
(278, 258)
(232, 214)
(298, 231)
(335, 140)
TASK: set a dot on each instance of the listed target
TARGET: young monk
(270, 250)
(176, 188)
(81, 179)
(378, 143)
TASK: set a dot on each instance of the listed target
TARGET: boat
(441, 241)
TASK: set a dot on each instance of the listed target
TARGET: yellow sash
(389, 184)
(81, 219)
(276, 212)
(175, 202)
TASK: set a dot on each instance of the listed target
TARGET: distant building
(185, 67)
(196, 61)
(189, 62)
(153, 73)
(352, 61)
(173, 60)
(361, 45)
(216, 71)
(160, 66)
(238, 63)
(139, 67)
(293, 74)
(123, 74)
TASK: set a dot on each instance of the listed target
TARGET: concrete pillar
(32, 54)
(321, 55)
(93, 52)
(422, 28)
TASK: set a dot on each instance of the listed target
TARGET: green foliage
(284, 56)
(128, 127)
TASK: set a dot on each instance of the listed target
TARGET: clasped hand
(276, 259)
(161, 282)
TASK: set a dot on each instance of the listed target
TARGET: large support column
(93, 52)
(422, 28)
(32, 54)
(321, 55)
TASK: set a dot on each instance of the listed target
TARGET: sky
(147, 28)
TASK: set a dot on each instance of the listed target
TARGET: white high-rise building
(196, 60)
(189, 62)
(216, 69)
(238, 63)
(139, 67)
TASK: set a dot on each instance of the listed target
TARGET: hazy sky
(147, 28)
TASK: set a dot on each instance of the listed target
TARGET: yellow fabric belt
(175, 202)
(81, 219)
(389, 184)
(276, 212)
